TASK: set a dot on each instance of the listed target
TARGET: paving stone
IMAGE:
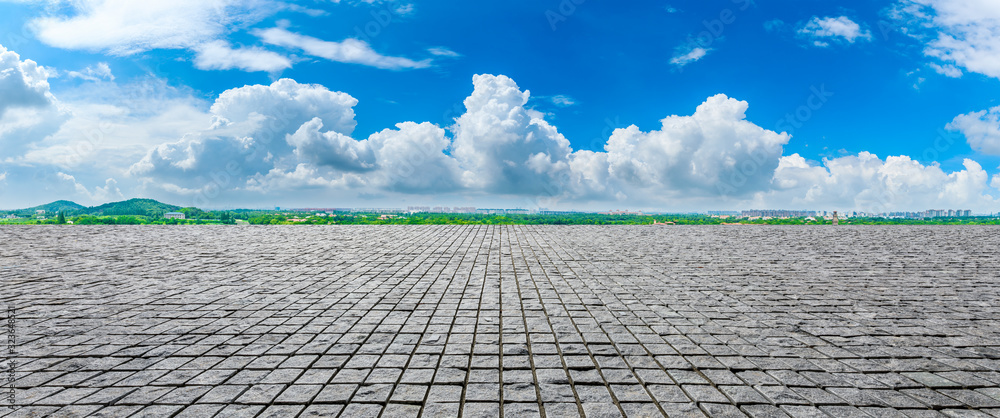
(882, 412)
(561, 409)
(669, 393)
(519, 392)
(742, 395)
(335, 393)
(116, 411)
(689, 410)
(481, 409)
(601, 410)
(971, 398)
(260, 394)
(781, 395)
(761, 411)
(797, 411)
(931, 398)
(641, 409)
(200, 410)
(442, 410)
(630, 393)
(240, 411)
(965, 413)
(76, 411)
(721, 410)
(106, 396)
(410, 393)
(523, 320)
(527, 410)
(482, 392)
(145, 395)
(223, 394)
(931, 380)
(298, 394)
(844, 411)
(322, 411)
(594, 394)
(362, 410)
(153, 411)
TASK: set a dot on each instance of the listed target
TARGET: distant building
(173, 215)
(40, 212)
(620, 212)
(378, 210)
(502, 211)
(773, 213)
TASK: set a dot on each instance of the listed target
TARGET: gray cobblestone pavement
(516, 321)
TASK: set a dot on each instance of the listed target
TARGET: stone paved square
(514, 321)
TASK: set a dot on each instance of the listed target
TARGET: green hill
(54, 207)
(141, 207)
(135, 207)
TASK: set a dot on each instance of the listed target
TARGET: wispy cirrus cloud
(443, 52)
(822, 31)
(125, 27)
(220, 55)
(682, 57)
(96, 72)
(352, 51)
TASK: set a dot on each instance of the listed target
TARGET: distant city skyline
(876, 106)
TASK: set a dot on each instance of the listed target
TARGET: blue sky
(671, 106)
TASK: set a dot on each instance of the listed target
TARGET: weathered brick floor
(519, 321)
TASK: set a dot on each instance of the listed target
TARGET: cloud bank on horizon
(88, 133)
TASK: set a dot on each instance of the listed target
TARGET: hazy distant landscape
(152, 212)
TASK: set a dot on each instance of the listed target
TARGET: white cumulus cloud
(981, 129)
(412, 159)
(109, 192)
(504, 147)
(332, 149)
(866, 182)
(965, 33)
(23, 84)
(715, 150)
(246, 136)
(28, 110)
